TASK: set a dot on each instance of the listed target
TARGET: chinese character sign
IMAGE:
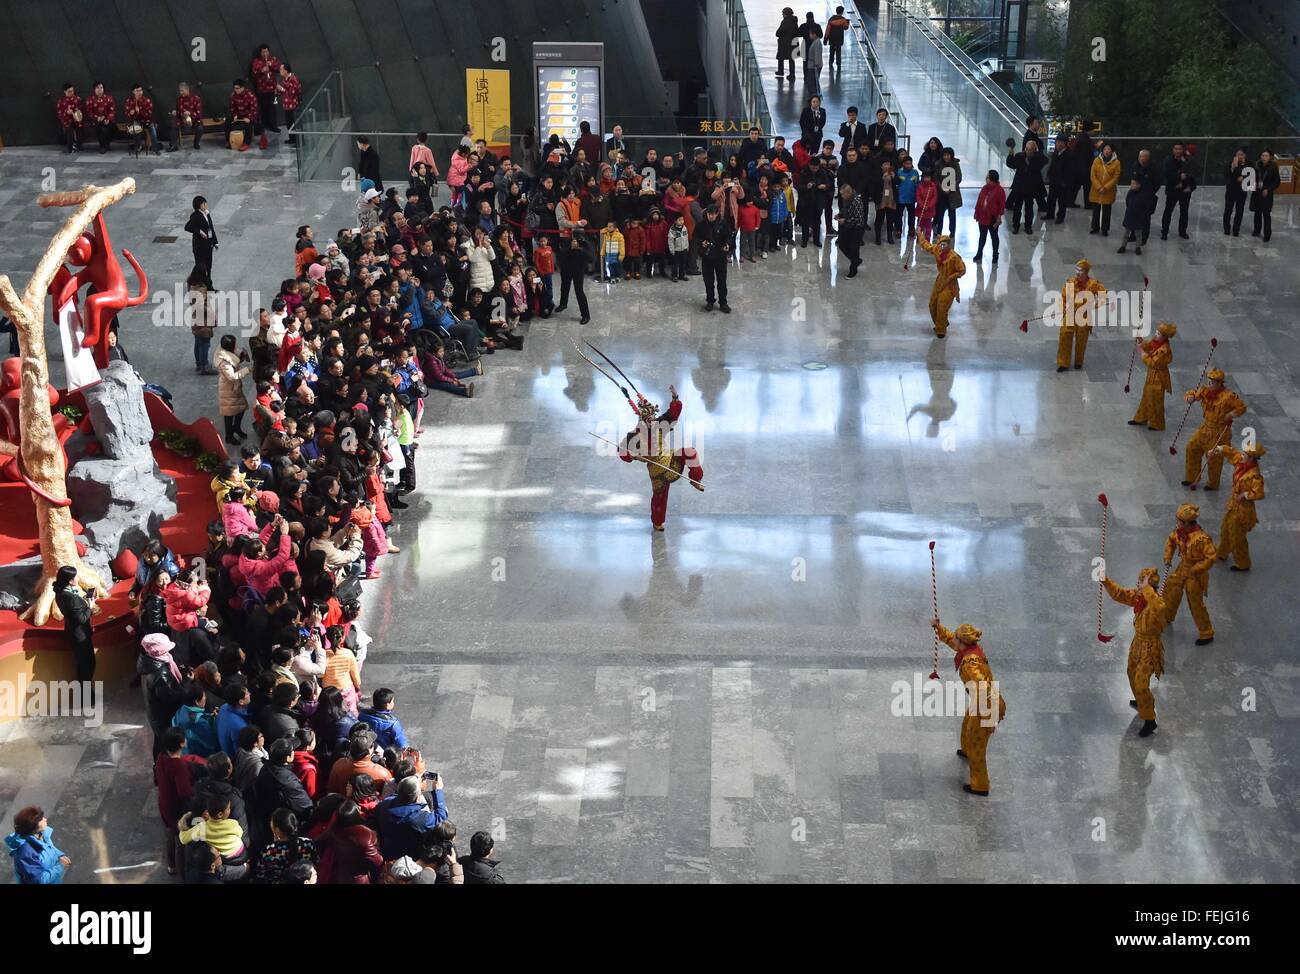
(487, 106)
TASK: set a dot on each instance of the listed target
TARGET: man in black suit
(881, 132)
(368, 163)
(203, 239)
(616, 143)
(852, 132)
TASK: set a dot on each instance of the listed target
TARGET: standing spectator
(349, 849)
(812, 122)
(1027, 184)
(656, 244)
(1267, 180)
(203, 323)
(853, 223)
(880, 132)
(634, 237)
(408, 814)
(1103, 179)
(480, 869)
(786, 35)
(1033, 133)
(679, 246)
(102, 109)
(174, 782)
(927, 203)
(1180, 181)
(277, 786)
(160, 683)
(815, 187)
(232, 368)
(714, 236)
(380, 718)
(1058, 183)
(853, 134)
(779, 212)
(990, 206)
(612, 251)
(748, 222)
(616, 143)
(1140, 203)
(265, 71)
(241, 114)
(289, 88)
(187, 116)
(908, 180)
(835, 30)
(573, 268)
(588, 143)
(1234, 193)
(203, 240)
(77, 606)
(811, 34)
(752, 147)
(37, 860)
(949, 191)
(887, 215)
(70, 116)
(368, 163)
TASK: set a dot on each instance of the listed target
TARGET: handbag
(419, 388)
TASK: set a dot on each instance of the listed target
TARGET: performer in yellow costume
(946, 288)
(1240, 517)
(1080, 296)
(1219, 407)
(1146, 656)
(1196, 556)
(1156, 356)
(983, 699)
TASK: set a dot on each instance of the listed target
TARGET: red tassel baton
(934, 598)
(1173, 447)
(1105, 512)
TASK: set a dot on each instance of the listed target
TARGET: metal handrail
(959, 60)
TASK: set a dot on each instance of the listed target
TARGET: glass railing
(866, 72)
(749, 77)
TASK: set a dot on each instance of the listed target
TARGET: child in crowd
(990, 206)
(927, 199)
(656, 233)
(747, 220)
(544, 264)
(612, 249)
(887, 206)
(908, 179)
(236, 518)
(679, 245)
(635, 238)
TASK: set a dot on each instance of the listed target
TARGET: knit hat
(968, 633)
(1188, 512)
(366, 184)
(331, 243)
(269, 501)
(1215, 375)
(372, 193)
(404, 868)
(1167, 328)
(316, 272)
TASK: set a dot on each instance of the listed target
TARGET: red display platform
(41, 651)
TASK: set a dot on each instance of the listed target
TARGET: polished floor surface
(713, 704)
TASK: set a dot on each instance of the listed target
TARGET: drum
(236, 139)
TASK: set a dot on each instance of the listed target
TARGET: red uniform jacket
(265, 73)
(290, 93)
(101, 108)
(243, 104)
(191, 105)
(140, 109)
(66, 107)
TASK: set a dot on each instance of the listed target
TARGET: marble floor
(713, 704)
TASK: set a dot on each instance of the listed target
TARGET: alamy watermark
(924, 697)
(180, 308)
(52, 698)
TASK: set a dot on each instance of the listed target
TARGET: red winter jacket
(990, 206)
(183, 605)
(175, 785)
(748, 219)
(634, 241)
(656, 237)
(305, 768)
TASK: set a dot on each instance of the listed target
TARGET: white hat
(372, 193)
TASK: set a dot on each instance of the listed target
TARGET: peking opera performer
(653, 443)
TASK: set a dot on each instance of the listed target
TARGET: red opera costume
(69, 111)
(189, 109)
(652, 442)
(266, 72)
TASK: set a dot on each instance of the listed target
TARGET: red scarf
(1212, 394)
(1156, 344)
(1243, 468)
(1185, 531)
(973, 650)
(1139, 604)
(942, 255)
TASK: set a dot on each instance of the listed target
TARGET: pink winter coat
(457, 170)
(263, 574)
(183, 605)
(237, 519)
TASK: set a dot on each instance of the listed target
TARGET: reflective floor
(713, 704)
